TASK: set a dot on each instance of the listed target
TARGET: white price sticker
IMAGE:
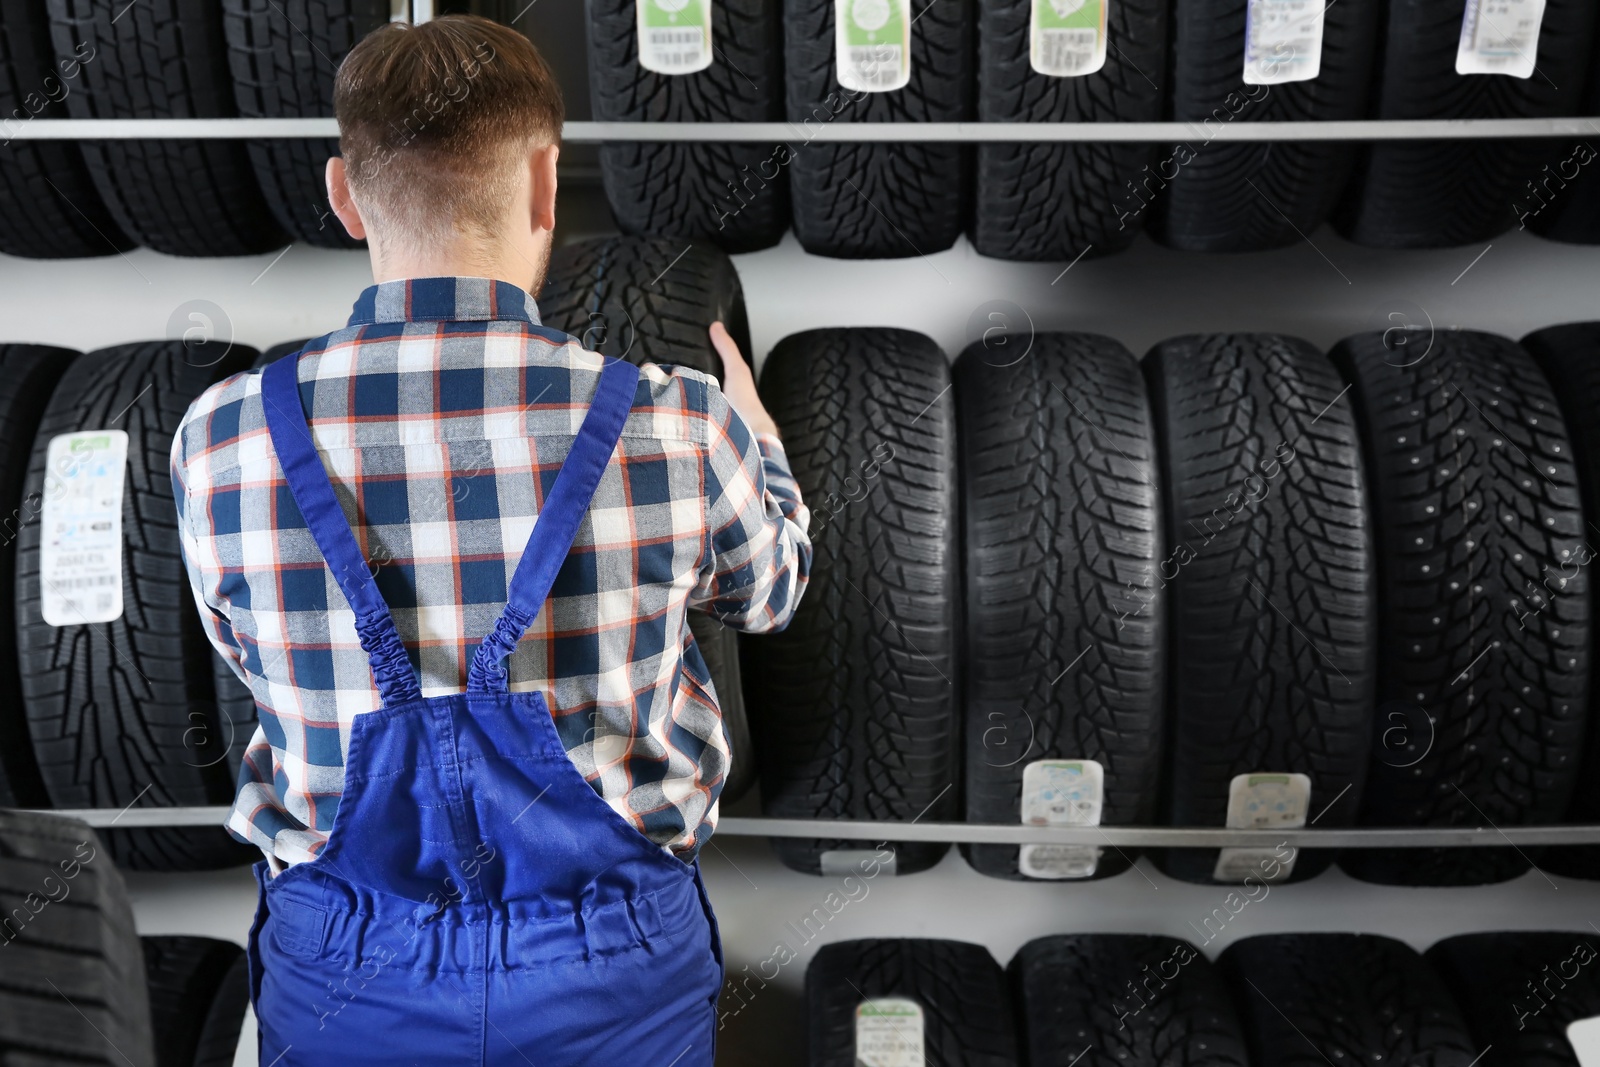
(1283, 41)
(1061, 793)
(889, 1033)
(1500, 37)
(674, 35)
(1262, 802)
(872, 44)
(1067, 38)
(1584, 1037)
(80, 525)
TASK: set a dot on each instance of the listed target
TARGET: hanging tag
(889, 1033)
(1061, 793)
(1584, 1037)
(1283, 41)
(674, 35)
(1067, 38)
(1500, 37)
(1263, 802)
(872, 44)
(80, 526)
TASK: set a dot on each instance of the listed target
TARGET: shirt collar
(444, 300)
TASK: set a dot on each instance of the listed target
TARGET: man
(451, 553)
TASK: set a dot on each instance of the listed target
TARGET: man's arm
(213, 614)
(760, 555)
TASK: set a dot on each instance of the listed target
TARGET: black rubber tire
(1060, 201)
(1503, 748)
(1249, 197)
(278, 351)
(74, 990)
(1569, 356)
(1109, 999)
(879, 201)
(28, 374)
(859, 696)
(284, 54)
(1557, 203)
(735, 196)
(1307, 1000)
(1435, 194)
(49, 207)
(164, 59)
(1272, 604)
(199, 990)
(646, 300)
(1518, 994)
(1061, 515)
(116, 710)
(961, 990)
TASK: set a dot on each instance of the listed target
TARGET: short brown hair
(434, 118)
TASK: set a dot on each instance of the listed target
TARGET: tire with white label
(1308, 999)
(74, 990)
(859, 695)
(732, 195)
(945, 998)
(199, 990)
(283, 55)
(1437, 194)
(879, 201)
(164, 59)
(1272, 590)
(124, 712)
(1117, 1000)
(1482, 693)
(1065, 628)
(1249, 197)
(49, 207)
(1059, 201)
(28, 374)
(652, 300)
(1520, 990)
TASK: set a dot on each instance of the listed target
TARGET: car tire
(1439, 194)
(966, 1011)
(115, 709)
(1516, 992)
(28, 374)
(879, 201)
(199, 990)
(1250, 197)
(1106, 1000)
(49, 207)
(283, 55)
(74, 989)
(1047, 201)
(1065, 628)
(1272, 602)
(859, 694)
(1481, 697)
(731, 195)
(1309, 999)
(164, 59)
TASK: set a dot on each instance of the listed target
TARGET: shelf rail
(824, 131)
(1008, 834)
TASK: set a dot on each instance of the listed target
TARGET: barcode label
(674, 35)
(1067, 38)
(1500, 37)
(875, 68)
(1283, 41)
(80, 550)
(872, 44)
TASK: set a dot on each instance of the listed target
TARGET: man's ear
(543, 167)
(343, 204)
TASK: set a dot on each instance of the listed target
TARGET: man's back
(442, 414)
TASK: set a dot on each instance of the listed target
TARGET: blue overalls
(477, 902)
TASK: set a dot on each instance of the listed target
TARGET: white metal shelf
(843, 132)
(994, 834)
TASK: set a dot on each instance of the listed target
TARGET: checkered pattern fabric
(443, 412)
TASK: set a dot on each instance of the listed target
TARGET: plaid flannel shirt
(443, 412)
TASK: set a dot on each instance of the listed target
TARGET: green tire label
(872, 44)
(1067, 38)
(674, 35)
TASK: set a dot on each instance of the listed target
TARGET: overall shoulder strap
(313, 495)
(557, 524)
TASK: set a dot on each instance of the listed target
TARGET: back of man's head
(436, 122)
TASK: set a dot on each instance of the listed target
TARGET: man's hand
(739, 385)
